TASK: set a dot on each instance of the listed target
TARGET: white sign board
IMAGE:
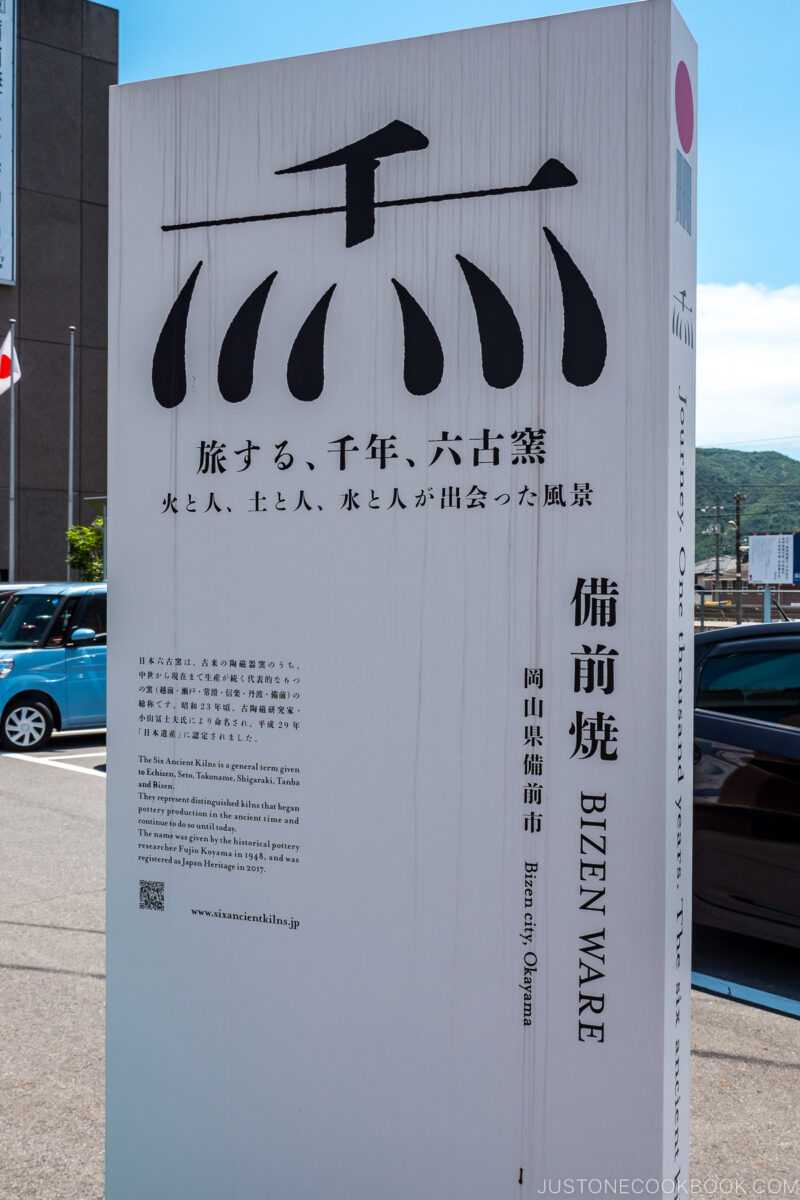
(771, 558)
(401, 479)
(8, 59)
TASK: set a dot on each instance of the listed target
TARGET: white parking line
(54, 762)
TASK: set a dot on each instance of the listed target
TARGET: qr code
(151, 894)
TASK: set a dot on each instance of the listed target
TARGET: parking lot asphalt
(745, 1104)
(52, 965)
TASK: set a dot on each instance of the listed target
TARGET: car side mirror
(82, 635)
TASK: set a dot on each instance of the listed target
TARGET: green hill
(771, 483)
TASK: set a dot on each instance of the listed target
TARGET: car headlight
(6, 665)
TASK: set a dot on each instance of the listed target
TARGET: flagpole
(11, 470)
(71, 480)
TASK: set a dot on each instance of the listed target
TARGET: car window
(92, 615)
(25, 620)
(61, 625)
(763, 685)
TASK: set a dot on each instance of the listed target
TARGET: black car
(747, 781)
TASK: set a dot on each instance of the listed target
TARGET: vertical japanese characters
(533, 771)
(595, 739)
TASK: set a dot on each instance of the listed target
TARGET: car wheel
(26, 725)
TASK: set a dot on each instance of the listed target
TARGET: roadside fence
(715, 607)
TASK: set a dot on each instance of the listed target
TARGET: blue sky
(748, 174)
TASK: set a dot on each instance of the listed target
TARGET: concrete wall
(66, 61)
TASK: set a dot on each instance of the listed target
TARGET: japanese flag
(5, 365)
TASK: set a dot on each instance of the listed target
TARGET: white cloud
(748, 366)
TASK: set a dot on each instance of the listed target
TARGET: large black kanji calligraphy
(584, 346)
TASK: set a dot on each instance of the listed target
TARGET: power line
(789, 437)
(721, 487)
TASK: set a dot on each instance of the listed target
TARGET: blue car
(52, 662)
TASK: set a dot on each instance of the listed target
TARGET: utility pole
(71, 445)
(739, 498)
(12, 468)
(716, 529)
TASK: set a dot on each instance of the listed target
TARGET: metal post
(767, 605)
(739, 498)
(717, 531)
(12, 549)
(702, 611)
(71, 451)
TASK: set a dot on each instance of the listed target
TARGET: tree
(85, 550)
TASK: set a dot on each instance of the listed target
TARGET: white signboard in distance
(401, 495)
(771, 558)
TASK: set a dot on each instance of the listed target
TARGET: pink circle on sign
(684, 106)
